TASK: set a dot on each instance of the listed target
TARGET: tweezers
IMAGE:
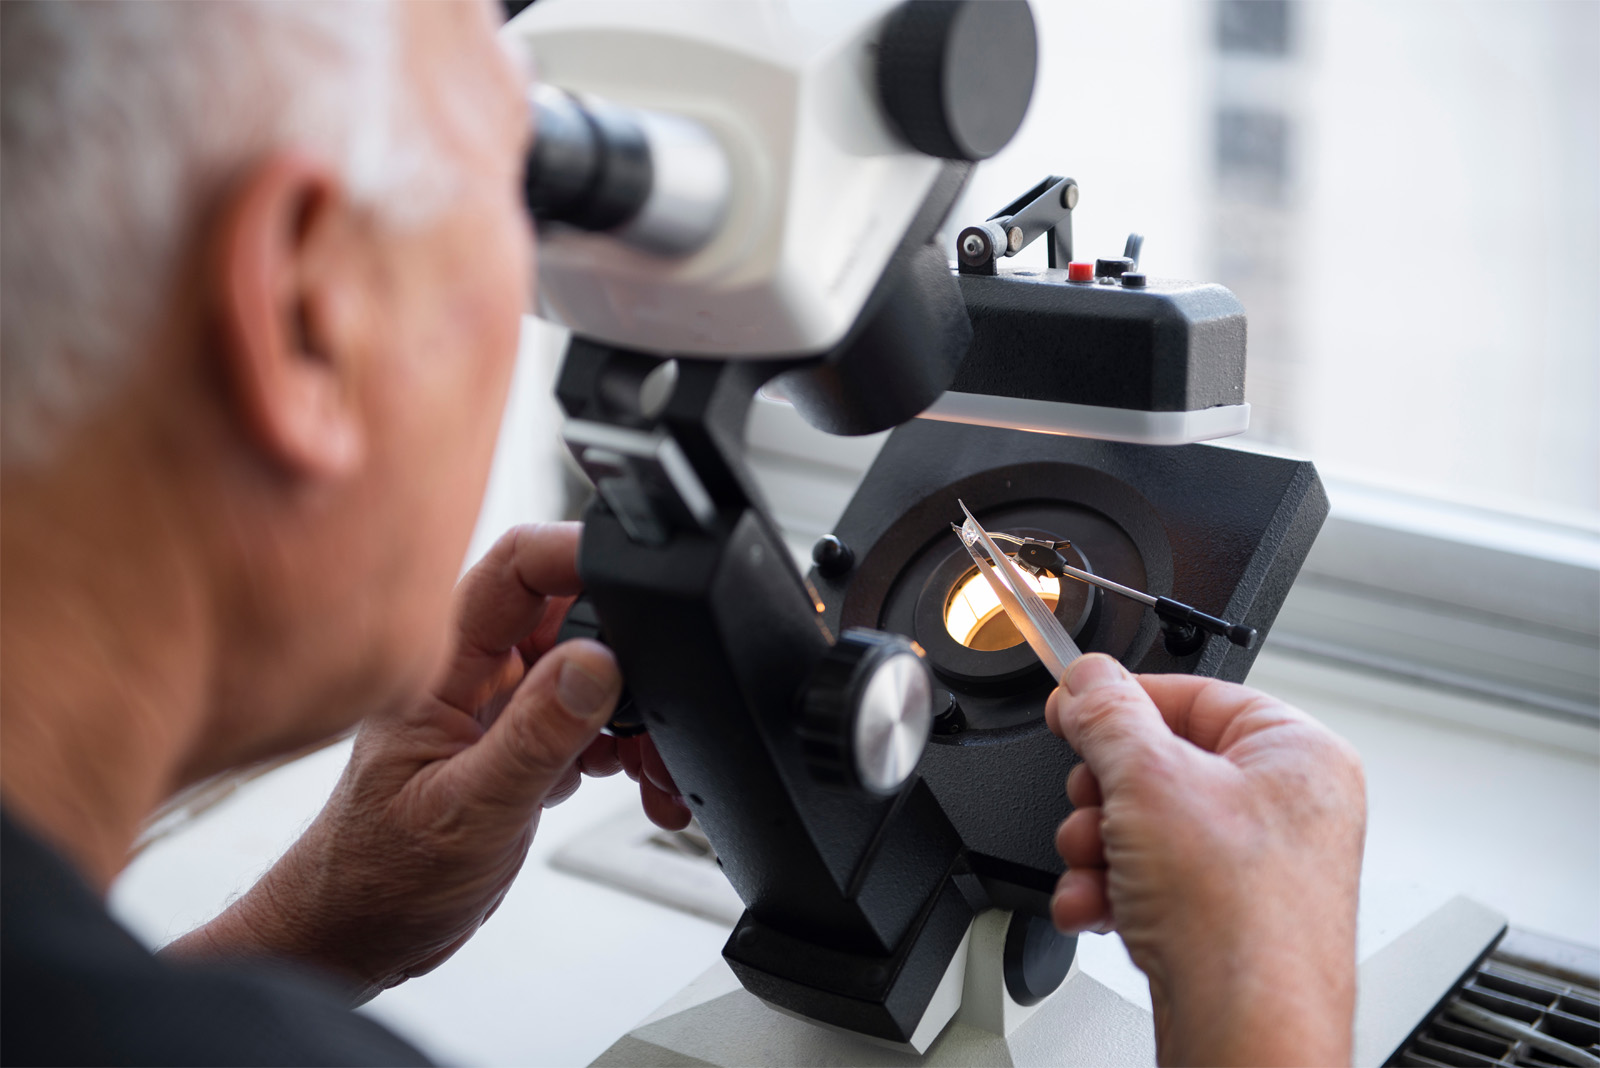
(1027, 611)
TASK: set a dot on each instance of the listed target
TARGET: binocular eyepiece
(656, 181)
(953, 81)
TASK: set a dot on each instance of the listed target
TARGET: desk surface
(566, 966)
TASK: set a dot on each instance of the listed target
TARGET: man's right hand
(433, 817)
(1219, 831)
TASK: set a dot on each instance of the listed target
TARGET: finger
(564, 788)
(1083, 789)
(628, 753)
(1080, 902)
(1212, 713)
(654, 769)
(664, 810)
(555, 713)
(1105, 715)
(501, 601)
(1050, 718)
(1078, 839)
(543, 638)
(600, 759)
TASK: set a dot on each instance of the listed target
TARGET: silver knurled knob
(867, 712)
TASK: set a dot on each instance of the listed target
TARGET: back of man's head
(120, 121)
(262, 266)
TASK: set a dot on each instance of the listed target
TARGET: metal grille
(1513, 1009)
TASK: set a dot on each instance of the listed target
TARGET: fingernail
(580, 693)
(1092, 672)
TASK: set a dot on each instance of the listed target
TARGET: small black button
(1115, 267)
(832, 556)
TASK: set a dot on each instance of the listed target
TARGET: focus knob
(955, 76)
(868, 709)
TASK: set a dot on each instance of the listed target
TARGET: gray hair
(120, 120)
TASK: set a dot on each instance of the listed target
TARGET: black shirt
(76, 988)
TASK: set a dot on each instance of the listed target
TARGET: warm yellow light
(975, 618)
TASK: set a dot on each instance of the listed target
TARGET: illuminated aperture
(975, 617)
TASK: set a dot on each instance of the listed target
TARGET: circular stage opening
(975, 617)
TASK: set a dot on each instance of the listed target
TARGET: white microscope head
(768, 160)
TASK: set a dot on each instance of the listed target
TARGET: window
(1406, 197)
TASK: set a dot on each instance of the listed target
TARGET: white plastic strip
(1091, 421)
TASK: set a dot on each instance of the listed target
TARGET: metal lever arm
(1039, 556)
(1184, 615)
(1038, 211)
(1044, 209)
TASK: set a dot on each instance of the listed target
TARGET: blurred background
(1405, 195)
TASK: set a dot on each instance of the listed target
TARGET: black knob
(867, 712)
(832, 556)
(583, 621)
(950, 719)
(1112, 267)
(1036, 958)
(955, 76)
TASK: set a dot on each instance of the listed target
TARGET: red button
(1080, 272)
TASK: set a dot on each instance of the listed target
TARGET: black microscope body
(856, 901)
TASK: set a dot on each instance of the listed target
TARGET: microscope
(744, 198)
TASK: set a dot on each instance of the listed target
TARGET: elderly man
(263, 266)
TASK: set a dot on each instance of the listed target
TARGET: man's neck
(103, 646)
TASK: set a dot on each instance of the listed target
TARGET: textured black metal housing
(718, 636)
(1221, 529)
(876, 995)
(1167, 347)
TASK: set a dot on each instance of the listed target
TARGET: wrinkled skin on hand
(434, 814)
(1219, 831)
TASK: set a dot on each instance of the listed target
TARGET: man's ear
(290, 297)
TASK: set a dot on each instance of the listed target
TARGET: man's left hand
(433, 817)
